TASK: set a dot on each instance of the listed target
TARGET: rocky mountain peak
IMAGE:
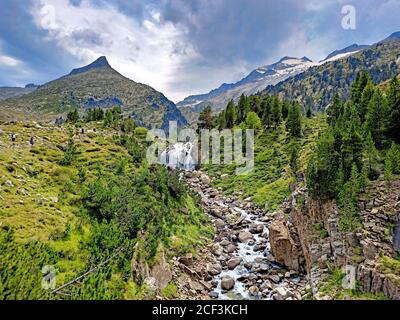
(101, 62)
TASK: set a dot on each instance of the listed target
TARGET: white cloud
(148, 51)
(7, 61)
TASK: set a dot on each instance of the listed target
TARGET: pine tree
(253, 121)
(358, 86)
(352, 143)
(266, 109)
(323, 167)
(276, 111)
(393, 100)
(371, 157)
(285, 109)
(241, 113)
(230, 115)
(73, 116)
(293, 123)
(294, 156)
(335, 110)
(366, 97)
(375, 120)
(206, 118)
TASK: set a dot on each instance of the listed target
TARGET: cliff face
(306, 236)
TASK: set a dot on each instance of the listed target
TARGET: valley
(84, 215)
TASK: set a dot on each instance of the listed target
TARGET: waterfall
(179, 156)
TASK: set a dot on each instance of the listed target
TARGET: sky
(179, 47)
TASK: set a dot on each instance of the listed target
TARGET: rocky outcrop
(283, 247)
(313, 225)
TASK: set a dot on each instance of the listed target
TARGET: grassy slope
(43, 202)
(268, 183)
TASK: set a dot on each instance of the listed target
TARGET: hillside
(316, 86)
(13, 92)
(74, 201)
(96, 85)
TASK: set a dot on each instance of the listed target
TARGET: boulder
(283, 246)
(245, 236)
(234, 262)
(227, 283)
(214, 269)
(257, 228)
(282, 293)
(230, 248)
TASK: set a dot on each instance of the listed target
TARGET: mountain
(343, 52)
(393, 36)
(99, 63)
(256, 81)
(316, 86)
(12, 92)
(94, 85)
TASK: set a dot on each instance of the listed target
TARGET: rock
(213, 295)
(194, 285)
(9, 183)
(205, 179)
(217, 213)
(219, 224)
(248, 265)
(234, 262)
(184, 210)
(224, 243)
(257, 228)
(231, 248)
(283, 246)
(214, 269)
(245, 236)
(275, 278)
(267, 285)
(282, 293)
(253, 290)
(187, 260)
(227, 283)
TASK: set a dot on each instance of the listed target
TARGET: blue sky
(179, 47)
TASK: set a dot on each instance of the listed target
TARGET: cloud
(180, 47)
(146, 50)
(7, 61)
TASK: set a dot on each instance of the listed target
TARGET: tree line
(361, 131)
(256, 112)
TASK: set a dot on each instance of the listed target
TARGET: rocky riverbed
(238, 264)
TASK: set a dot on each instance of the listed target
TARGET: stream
(242, 267)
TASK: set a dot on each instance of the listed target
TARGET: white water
(179, 156)
(248, 254)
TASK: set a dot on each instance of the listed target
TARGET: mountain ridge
(94, 85)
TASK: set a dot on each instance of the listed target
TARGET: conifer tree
(393, 100)
(293, 123)
(375, 120)
(352, 143)
(276, 111)
(266, 107)
(230, 115)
